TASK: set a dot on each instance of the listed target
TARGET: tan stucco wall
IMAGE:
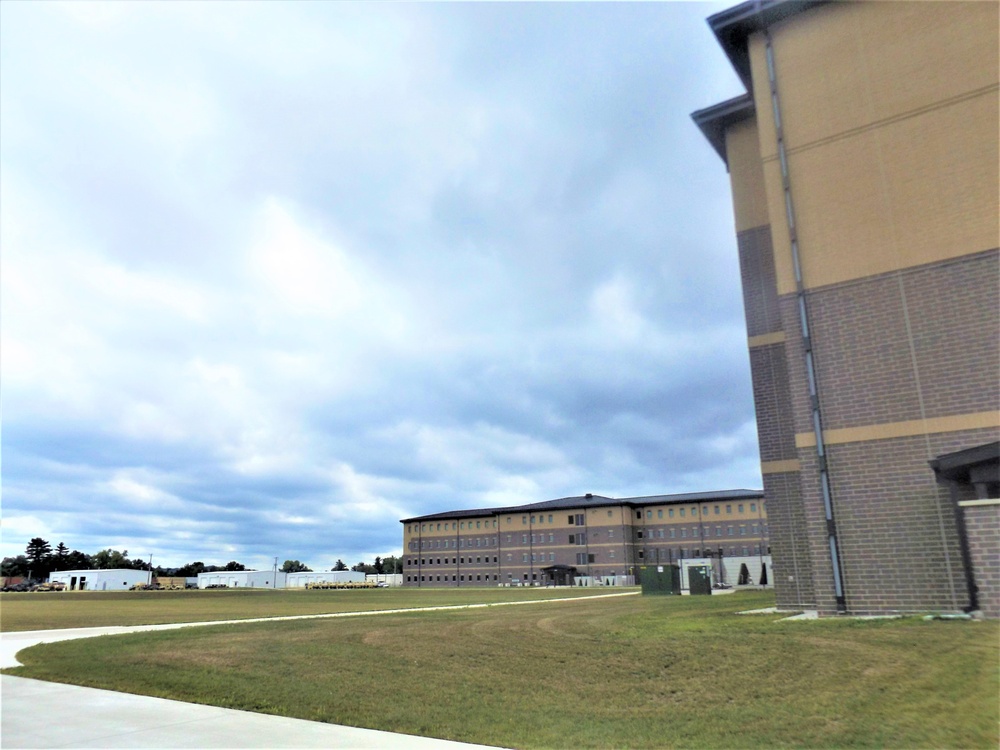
(891, 116)
(746, 175)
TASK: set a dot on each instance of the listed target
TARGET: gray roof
(594, 501)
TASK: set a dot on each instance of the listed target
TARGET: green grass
(82, 609)
(606, 673)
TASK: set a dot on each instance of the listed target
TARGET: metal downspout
(824, 477)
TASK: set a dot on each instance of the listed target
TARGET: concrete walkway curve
(38, 714)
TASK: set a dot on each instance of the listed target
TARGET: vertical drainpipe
(824, 476)
(458, 546)
(420, 552)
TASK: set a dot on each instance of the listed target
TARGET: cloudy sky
(277, 275)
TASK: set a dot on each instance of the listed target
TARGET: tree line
(40, 559)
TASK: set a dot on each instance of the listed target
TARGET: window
(708, 531)
(524, 538)
(684, 533)
(729, 509)
(611, 554)
(673, 533)
(659, 533)
(611, 533)
(659, 513)
(532, 557)
(609, 513)
(638, 534)
(753, 507)
(649, 514)
(508, 539)
(508, 557)
(579, 519)
(524, 520)
(524, 557)
(682, 512)
(642, 554)
(743, 530)
(552, 537)
(753, 529)
(729, 530)
(532, 519)
(541, 519)
(670, 512)
(718, 531)
(740, 507)
(550, 518)
(477, 524)
(716, 510)
(570, 520)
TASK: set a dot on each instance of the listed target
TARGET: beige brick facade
(593, 537)
(879, 181)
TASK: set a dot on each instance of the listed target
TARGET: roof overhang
(733, 27)
(713, 121)
(968, 465)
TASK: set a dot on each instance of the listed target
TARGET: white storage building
(112, 579)
(243, 579)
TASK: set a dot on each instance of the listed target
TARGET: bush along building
(590, 540)
(863, 163)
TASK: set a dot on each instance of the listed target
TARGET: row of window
(452, 561)
(452, 543)
(669, 554)
(575, 519)
(585, 558)
(717, 510)
(683, 532)
(539, 557)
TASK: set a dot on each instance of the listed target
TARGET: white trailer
(111, 579)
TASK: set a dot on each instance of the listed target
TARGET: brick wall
(982, 524)
(790, 550)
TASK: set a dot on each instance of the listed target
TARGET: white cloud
(296, 271)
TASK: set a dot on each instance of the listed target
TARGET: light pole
(150, 581)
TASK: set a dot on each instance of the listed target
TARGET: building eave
(733, 27)
(713, 121)
(593, 501)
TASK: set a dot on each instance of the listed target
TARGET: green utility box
(699, 579)
(660, 579)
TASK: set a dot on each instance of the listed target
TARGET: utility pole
(274, 578)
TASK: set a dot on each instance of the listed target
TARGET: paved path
(38, 714)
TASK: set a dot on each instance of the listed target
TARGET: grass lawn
(608, 673)
(82, 609)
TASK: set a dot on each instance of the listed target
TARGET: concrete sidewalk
(38, 714)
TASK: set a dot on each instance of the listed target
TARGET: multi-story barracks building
(863, 164)
(590, 540)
